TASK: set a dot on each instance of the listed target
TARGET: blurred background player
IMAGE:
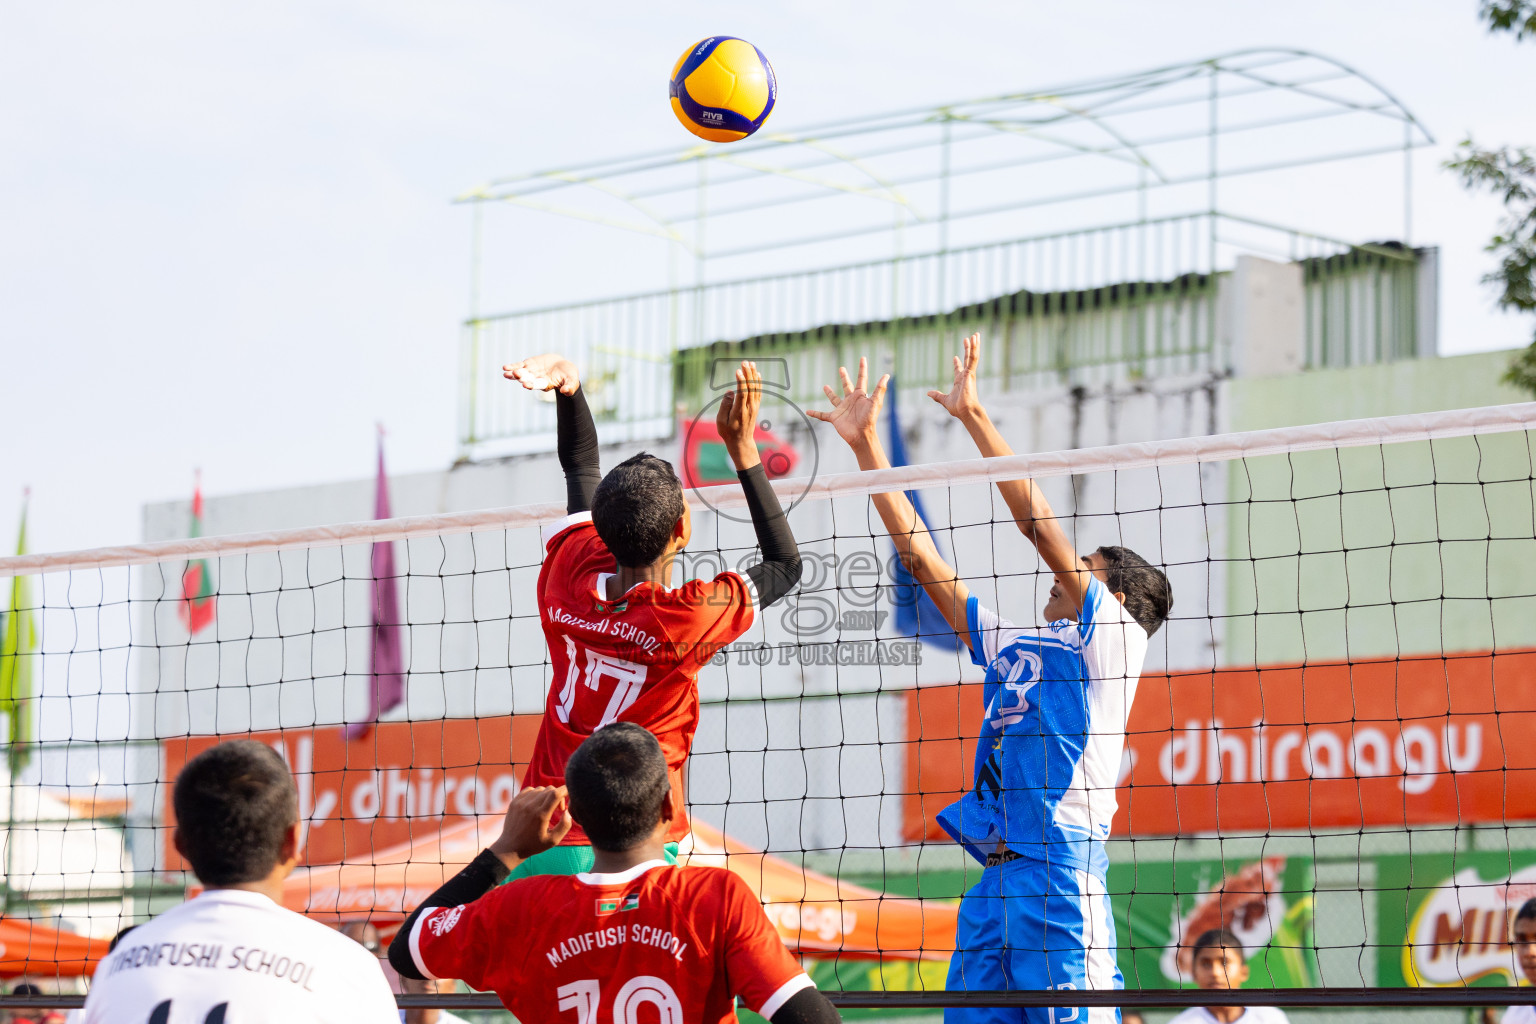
(37, 1015)
(624, 645)
(1523, 939)
(234, 945)
(366, 934)
(1218, 963)
(429, 1014)
(1057, 698)
(635, 930)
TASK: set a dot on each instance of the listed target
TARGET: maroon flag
(386, 684)
(197, 605)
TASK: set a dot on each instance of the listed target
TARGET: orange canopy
(818, 914)
(30, 948)
(814, 913)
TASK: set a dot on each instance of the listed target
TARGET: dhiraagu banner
(1444, 920)
(1162, 907)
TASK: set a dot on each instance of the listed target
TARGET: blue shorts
(1032, 925)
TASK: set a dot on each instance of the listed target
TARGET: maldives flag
(196, 608)
(706, 461)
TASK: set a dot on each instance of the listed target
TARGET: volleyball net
(1331, 752)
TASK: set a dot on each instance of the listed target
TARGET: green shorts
(566, 860)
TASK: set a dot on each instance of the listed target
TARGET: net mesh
(1329, 751)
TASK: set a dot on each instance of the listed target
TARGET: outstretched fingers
(831, 395)
(842, 374)
(748, 378)
(863, 373)
(533, 374)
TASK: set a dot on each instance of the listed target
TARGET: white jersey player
(234, 955)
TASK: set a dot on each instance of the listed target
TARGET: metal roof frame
(1118, 119)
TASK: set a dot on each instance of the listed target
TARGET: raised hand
(537, 819)
(737, 419)
(548, 372)
(853, 415)
(961, 398)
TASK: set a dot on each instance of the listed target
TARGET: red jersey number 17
(628, 677)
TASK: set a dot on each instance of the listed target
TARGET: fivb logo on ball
(723, 89)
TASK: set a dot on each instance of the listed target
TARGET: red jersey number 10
(627, 678)
(585, 996)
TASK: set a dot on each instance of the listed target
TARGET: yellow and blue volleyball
(723, 89)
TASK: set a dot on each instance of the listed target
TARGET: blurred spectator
(30, 1015)
(1218, 963)
(1523, 939)
(442, 986)
(366, 934)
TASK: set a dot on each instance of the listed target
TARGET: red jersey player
(635, 939)
(624, 645)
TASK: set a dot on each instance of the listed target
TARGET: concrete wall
(1402, 549)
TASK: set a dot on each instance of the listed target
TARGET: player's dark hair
(1217, 938)
(117, 939)
(1148, 597)
(234, 802)
(1527, 911)
(616, 781)
(635, 508)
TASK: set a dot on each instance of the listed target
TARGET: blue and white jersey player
(1056, 700)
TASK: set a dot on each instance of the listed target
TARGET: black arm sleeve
(577, 445)
(478, 877)
(779, 571)
(807, 1006)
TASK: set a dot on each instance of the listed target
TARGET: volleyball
(722, 89)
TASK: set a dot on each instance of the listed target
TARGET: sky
(227, 235)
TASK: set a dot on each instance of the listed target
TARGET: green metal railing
(1036, 340)
(1361, 306)
(1116, 303)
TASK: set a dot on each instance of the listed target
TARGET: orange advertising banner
(385, 788)
(1381, 743)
